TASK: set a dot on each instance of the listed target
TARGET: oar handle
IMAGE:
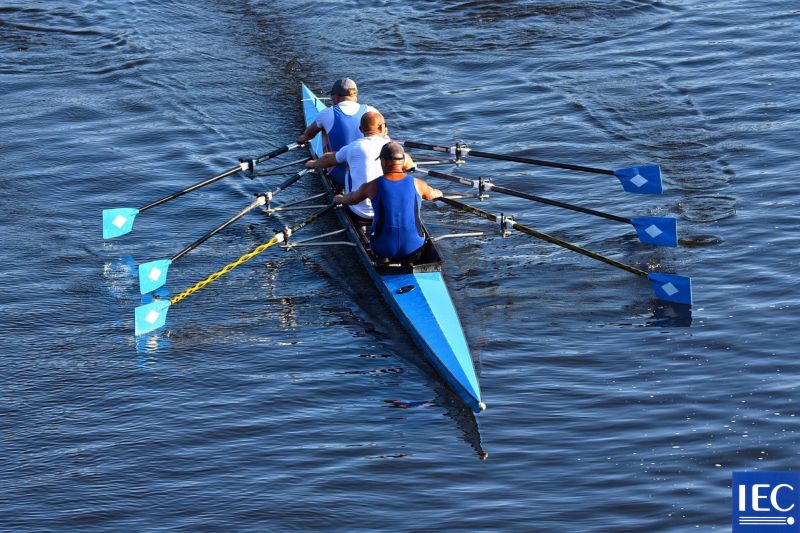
(545, 237)
(423, 146)
(290, 181)
(238, 168)
(308, 220)
(448, 177)
(277, 152)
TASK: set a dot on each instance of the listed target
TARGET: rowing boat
(417, 294)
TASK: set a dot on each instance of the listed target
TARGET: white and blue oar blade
(645, 179)
(661, 231)
(151, 316)
(672, 288)
(153, 275)
(118, 221)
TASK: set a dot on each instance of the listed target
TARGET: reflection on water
(669, 315)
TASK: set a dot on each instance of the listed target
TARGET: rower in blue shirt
(339, 123)
(396, 231)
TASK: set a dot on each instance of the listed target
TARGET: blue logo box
(766, 502)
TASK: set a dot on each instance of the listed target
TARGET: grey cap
(392, 151)
(342, 87)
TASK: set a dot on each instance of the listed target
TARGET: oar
(642, 179)
(152, 316)
(660, 231)
(119, 221)
(153, 274)
(668, 287)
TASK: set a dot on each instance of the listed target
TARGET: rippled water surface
(282, 396)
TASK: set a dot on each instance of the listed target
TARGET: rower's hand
(436, 194)
(310, 163)
(301, 139)
(338, 199)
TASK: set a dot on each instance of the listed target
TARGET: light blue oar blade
(152, 316)
(643, 180)
(153, 275)
(661, 231)
(118, 221)
(672, 288)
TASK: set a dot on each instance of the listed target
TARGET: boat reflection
(454, 409)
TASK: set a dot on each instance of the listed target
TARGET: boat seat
(407, 261)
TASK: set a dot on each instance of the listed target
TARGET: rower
(397, 232)
(339, 122)
(361, 158)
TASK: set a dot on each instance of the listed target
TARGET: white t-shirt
(325, 117)
(361, 157)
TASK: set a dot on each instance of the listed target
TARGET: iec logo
(766, 501)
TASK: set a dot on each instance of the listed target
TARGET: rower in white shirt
(361, 158)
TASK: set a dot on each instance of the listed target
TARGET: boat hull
(417, 294)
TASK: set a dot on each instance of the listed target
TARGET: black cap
(392, 151)
(343, 86)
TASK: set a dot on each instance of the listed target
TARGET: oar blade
(645, 179)
(153, 275)
(672, 288)
(660, 231)
(151, 317)
(118, 221)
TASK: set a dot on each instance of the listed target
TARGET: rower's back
(397, 231)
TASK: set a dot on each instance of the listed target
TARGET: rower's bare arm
(426, 191)
(310, 132)
(409, 164)
(367, 190)
(327, 160)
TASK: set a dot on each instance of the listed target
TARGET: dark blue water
(275, 398)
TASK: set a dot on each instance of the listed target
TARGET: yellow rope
(227, 268)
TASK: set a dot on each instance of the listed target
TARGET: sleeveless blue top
(396, 227)
(344, 131)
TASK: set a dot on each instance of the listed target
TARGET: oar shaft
(194, 187)
(516, 159)
(526, 196)
(204, 238)
(279, 237)
(261, 200)
(545, 237)
(556, 203)
(238, 168)
(502, 157)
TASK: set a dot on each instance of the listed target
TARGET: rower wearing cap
(397, 231)
(362, 161)
(340, 122)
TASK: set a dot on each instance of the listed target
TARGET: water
(281, 397)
